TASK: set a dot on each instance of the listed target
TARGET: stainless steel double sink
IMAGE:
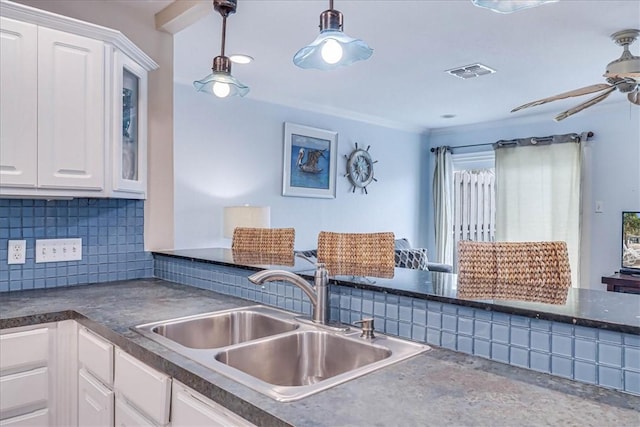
(276, 352)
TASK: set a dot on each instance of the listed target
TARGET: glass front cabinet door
(130, 127)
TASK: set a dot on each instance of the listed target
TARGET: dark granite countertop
(438, 387)
(223, 256)
(587, 307)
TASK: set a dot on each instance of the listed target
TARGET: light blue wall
(229, 152)
(613, 165)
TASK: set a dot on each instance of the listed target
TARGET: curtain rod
(545, 140)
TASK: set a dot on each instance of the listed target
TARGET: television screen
(630, 243)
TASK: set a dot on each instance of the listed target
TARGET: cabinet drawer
(96, 355)
(34, 419)
(24, 349)
(191, 409)
(146, 388)
(95, 403)
(126, 416)
(24, 389)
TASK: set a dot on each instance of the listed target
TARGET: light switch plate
(599, 206)
(57, 250)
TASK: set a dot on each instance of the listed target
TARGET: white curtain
(443, 205)
(538, 196)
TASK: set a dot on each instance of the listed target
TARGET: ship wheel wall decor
(360, 169)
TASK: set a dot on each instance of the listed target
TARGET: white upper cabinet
(129, 131)
(70, 111)
(18, 103)
(73, 108)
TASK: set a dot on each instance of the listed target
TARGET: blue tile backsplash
(111, 230)
(595, 356)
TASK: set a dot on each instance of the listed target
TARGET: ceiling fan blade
(584, 105)
(634, 97)
(622, 75)
(577, 92)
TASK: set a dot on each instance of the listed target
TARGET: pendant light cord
(224, 34)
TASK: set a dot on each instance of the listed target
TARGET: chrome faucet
(318, 294)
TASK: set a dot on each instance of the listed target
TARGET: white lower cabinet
(63, 374)
(96, 398)
(22, 349)
(142, 386)
(27, 376)
(95, 402)
(38, 418)
(128, 416)
(191, 409)
(95, 355)
(25, 389)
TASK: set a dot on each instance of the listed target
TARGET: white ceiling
(537, 53)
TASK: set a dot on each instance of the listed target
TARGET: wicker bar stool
(533, 271)
(263, 245)
(520, 271)
(357, 254)
(477, 270)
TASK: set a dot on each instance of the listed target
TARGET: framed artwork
(309, 168)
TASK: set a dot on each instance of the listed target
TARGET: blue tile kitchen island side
(594, 338)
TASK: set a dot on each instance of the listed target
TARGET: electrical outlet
(17, 252)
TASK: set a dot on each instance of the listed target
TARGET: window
(474, 205)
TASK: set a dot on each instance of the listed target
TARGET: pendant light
(509, 6)
(220, 82)
(332, 48)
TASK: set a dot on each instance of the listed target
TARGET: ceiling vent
(471, 71)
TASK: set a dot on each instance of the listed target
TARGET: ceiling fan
(622, 74)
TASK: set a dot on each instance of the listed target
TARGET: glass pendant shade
(509, 6)
(332, 49)
(221, 84)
